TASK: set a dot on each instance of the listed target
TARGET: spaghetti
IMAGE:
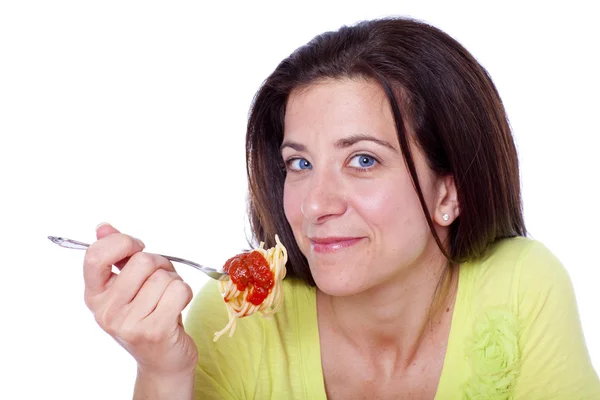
(253, 284)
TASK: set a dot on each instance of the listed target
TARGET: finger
(151, 292)
(102, 255)
(140, 267)
(174, 299)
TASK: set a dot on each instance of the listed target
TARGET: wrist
(159, 385)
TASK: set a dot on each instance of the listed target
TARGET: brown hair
(434, 86)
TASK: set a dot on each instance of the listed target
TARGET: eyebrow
(342, 143)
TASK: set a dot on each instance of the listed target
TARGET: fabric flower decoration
(493, 354)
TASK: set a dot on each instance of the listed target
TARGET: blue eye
(362, 161)
(298, 164)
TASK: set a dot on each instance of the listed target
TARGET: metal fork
(74, 244)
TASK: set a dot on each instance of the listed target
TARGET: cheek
(392, 208)
(381, 201)
(292, 206)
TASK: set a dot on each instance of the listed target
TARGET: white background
(134, 113)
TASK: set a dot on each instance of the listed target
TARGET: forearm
(153, 387)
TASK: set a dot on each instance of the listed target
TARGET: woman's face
(348, 195)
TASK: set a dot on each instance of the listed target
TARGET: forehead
(335, 108)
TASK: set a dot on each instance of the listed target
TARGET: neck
(395, 317)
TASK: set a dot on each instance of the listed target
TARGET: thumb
(104, 229)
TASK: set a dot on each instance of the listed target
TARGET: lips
(332, 244)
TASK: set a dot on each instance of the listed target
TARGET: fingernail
(101, 224)
(140, 242)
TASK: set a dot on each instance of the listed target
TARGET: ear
(446, 202)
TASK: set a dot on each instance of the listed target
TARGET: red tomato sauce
(251, 269)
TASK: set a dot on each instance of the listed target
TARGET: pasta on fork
(253, 284)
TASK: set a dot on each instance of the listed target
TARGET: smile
(332, 244)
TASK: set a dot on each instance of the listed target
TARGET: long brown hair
(435, 87)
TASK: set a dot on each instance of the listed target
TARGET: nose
(325, 198)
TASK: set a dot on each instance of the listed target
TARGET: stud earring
(445, 217)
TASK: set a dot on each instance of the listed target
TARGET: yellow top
(515, 334)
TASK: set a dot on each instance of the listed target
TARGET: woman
(382, 157)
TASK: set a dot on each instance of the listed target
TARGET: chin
(338, 283)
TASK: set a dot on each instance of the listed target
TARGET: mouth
(332, 244)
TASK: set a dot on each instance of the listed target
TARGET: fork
(75, 244)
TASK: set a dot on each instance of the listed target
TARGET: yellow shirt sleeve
(227, 369)
(554, 359)
(267, 358)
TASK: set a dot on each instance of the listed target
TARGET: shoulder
(513, 253)
(519, 281)
(518, 326)
(527, 255)
(519, 266)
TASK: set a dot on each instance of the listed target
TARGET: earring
(445, 217)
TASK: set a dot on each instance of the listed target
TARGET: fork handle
(77, 245)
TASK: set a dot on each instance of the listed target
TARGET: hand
(140, 307)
